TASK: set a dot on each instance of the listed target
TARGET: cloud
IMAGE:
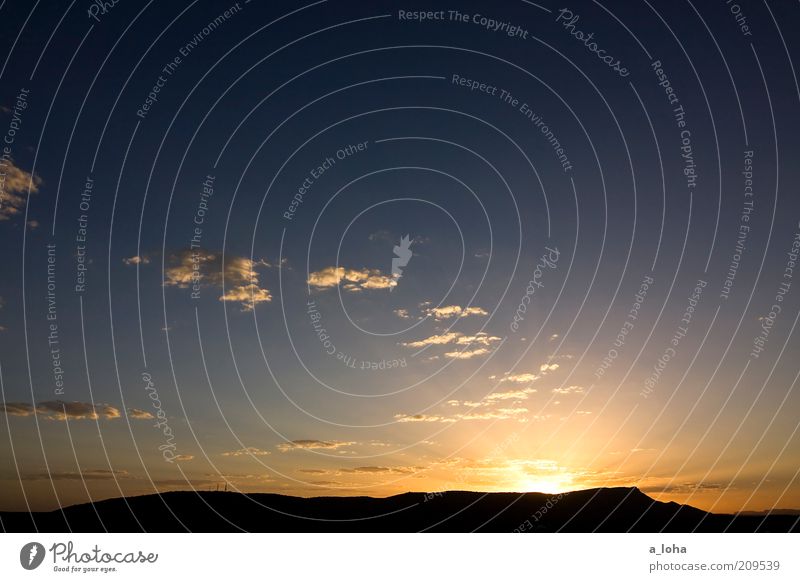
(240, 477)
(189, 267)
(33, 224)
(247, 451)
(60, 410)
(433, 340)
(352, 280)
(14, 184)
(312, 445)
(526, 378)
(181, 458)
(139, 414)
(504, 413)
(511, 394)
(377, 470)
(466, 354)
(499, 414)
(453, 337)
(88, 475)
(449, 311)
(569, 390)
(137, 260)
(402, 313)
(494, 406)
(368, 470)
(248, 295)
(423, 418)
(379, 444)
(683, 488)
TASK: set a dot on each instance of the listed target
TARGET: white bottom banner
(618, 557)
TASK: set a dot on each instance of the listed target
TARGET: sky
(346, 248)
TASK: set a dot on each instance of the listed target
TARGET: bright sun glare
(543, 485)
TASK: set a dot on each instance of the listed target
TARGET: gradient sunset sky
(201, 204)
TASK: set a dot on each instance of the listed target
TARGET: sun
(548, 484)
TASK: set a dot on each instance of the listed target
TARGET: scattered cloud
(526, 378)
(433, 340)
(189, 267)
(569, 390)
(453, 337)
(377, 470)
(352, 280)
(183, 458)
(497, 414)
(312, 445)
(14, 184)
(139, 414)
(466, 354)
(402, 313)
(449, 311)
(248, 295)
(368, 470)
(423, 418)
(137, 260)
(60, 410)
(247, 451)
(88, 475)
(478, 411)
(511, 394)
(33, 224)
(379, 444)
(683, 487)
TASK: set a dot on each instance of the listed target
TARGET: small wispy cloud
(85, 475)
(310, 444)
(139, 414)
(453, 337)
(466, 354)
(136, 260)
(450, 311)
(14, 189)
(353, 280)
(61, 410)
(569, 390)
(246, 452)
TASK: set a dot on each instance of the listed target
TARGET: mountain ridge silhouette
(615, 509)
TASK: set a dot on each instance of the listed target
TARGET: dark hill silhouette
(618, 509)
